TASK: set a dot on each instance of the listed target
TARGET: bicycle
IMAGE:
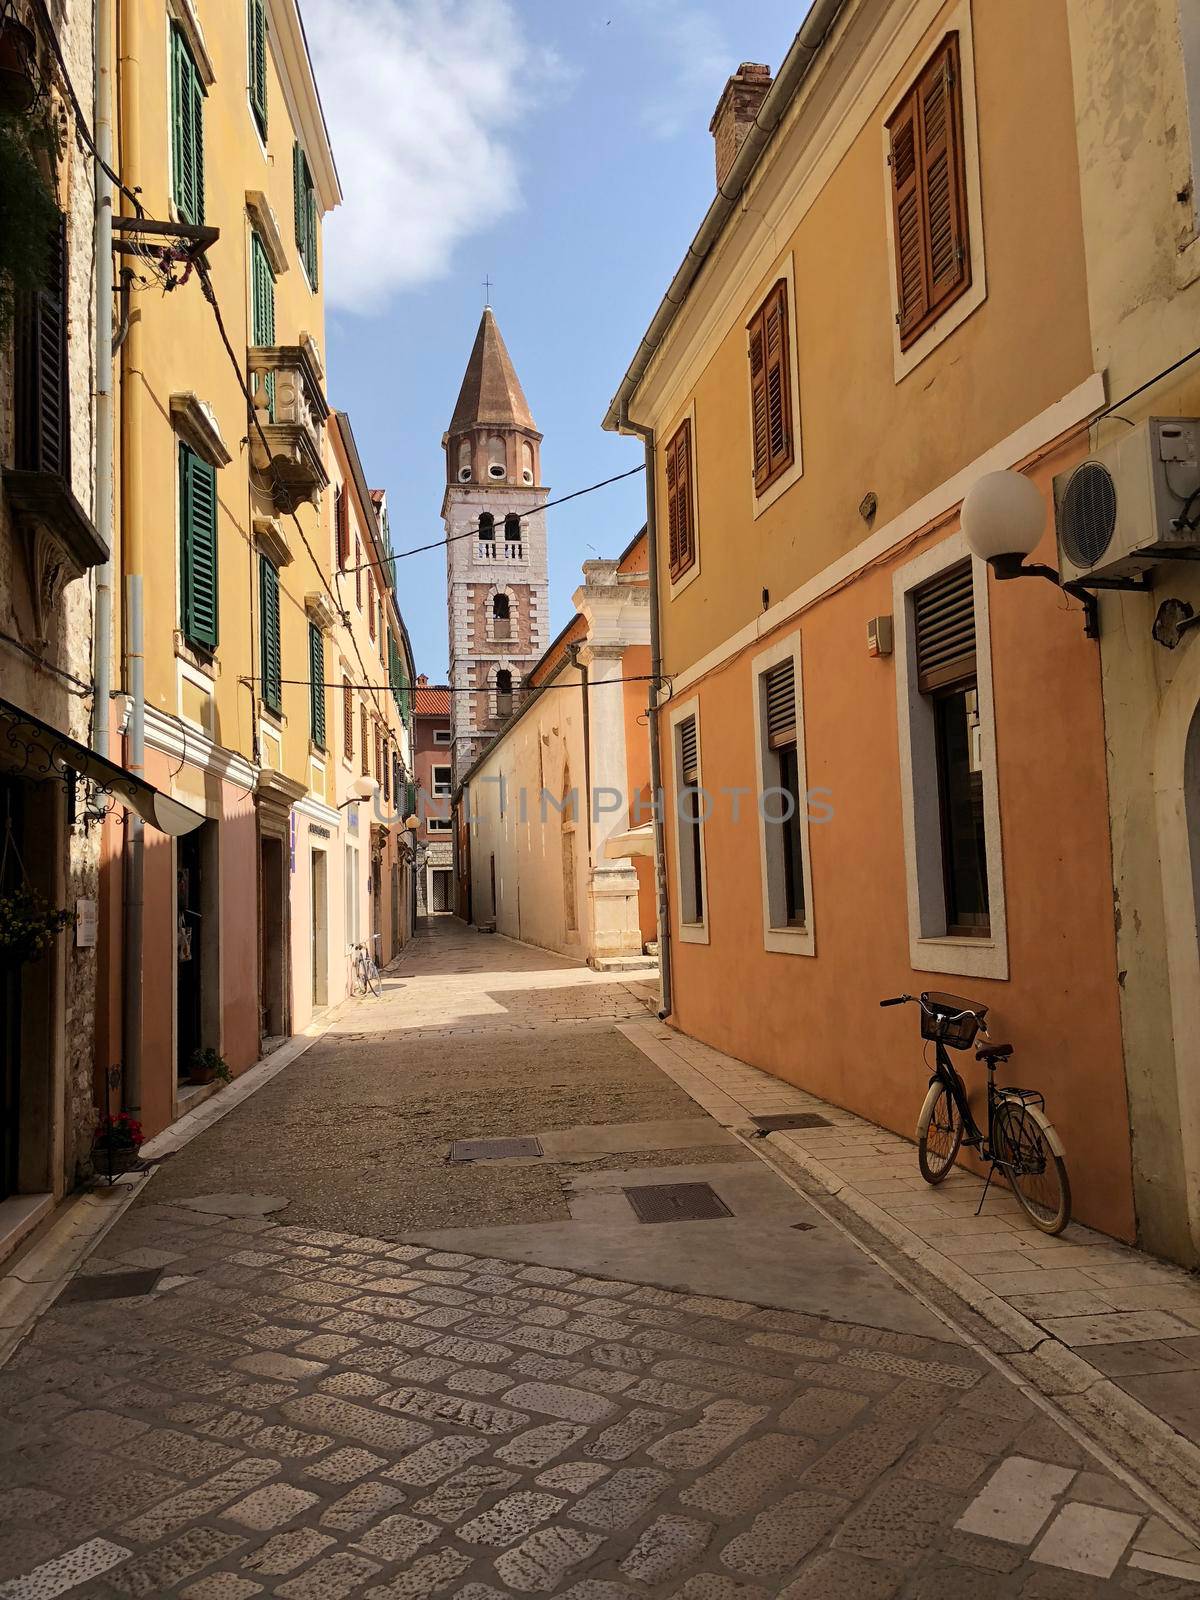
(365, 972)
(1020, 1139)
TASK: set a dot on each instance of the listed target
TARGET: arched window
(501, 617)
(497, 466)
(504, 693)
(464, 461)
(487, 528)
(526, 461)
(512, 531)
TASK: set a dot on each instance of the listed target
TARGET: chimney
(736, 110)
(422, 681)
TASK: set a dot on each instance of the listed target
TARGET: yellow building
(229, 619)
(870, 747)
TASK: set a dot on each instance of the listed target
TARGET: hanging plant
(28, 210)
(28, 925)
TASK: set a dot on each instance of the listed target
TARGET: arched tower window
(487, 528)
(497, 463)
(512, 531)
(526, 461)
(464, 461)
(501, 617)
(504, 693)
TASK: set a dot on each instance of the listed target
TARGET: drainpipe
(102, 511)
(573, 652)
(627, 425)
(132, 523)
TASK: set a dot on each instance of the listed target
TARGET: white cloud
(420, 96)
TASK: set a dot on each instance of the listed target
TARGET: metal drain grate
(796, 1119)
(111, 1285)
(493, 1149)
(676, 1202)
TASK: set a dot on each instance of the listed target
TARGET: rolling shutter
(41, 398)
(689, 760)
(944, 622)
(316, 679)
(929, 195)
(198, 532)
(257, 29)
(779, 686)
(187, 132)
(681, 538)
(268, 589)
(773, 443)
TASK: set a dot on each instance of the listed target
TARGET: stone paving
(315, 1415)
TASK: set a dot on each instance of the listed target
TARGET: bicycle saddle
(993, 1052)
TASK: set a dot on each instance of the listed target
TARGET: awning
(632, 842)
(32, 747)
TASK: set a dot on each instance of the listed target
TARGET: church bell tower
(497, 579)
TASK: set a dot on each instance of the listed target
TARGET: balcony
(291, 410)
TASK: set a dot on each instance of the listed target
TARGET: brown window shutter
(358, 574)
(760, 434)
(41, 402)
(371, 605)
(342, 519)
(770, 389)
(944, 622)
(780, 687)
(672, 465)
(929, 195)
(348, 719)
(689, 761)
(681, 528)
(366, 743)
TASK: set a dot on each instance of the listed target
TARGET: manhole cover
(676, 1202)
(796, 1119)
(493, 1149)
(111, 1285)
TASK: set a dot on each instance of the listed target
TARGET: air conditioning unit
(1132, 504)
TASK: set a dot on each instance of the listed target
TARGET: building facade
(497, 580)
(434, 776)
(556, 808)
(869, 743)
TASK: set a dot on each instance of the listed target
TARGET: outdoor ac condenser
(1134, 503)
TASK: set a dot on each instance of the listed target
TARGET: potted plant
(117, 1140)
(208, 1064)
(28, 925)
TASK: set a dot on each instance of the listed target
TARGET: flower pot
(17, 87)
(200, 1075)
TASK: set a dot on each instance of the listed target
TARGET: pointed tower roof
(491, 392)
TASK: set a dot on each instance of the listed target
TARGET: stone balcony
(291, 409)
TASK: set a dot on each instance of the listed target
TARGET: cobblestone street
(237, 1396)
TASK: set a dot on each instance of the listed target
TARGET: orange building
(886, 301)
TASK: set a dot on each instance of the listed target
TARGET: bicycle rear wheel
(1036, 1174)
(937, 1148)
(373, 979)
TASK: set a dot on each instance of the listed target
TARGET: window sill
(693, 932)
(963, 957)
(796, 940)
(688, 576)
(200, 661)
(763, 500)
(317, 750)
(275, 718)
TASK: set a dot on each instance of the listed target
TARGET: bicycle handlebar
(898, 1000)
(931, 1011)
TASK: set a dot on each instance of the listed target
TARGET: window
(352, 895)
(512, 531)
(441, 781)
(198, 550)
(316, 684)
(681, 529)
(504, 693)
(358, 572)
(187, 132)
(366, 742)
(689, 816)
(439, 824)
(501, 619)
(306, 214)
(347, 719)
(378, 755)
(262, 307)
(441, 736)
(269, 663)
(41, 397)
(773, 441)
(929, 203)
(944, 629)
(257, 31)
(783, 803)
(949, 788)
(387, 770)
(371, 605)
(487, 527)
(341, 521)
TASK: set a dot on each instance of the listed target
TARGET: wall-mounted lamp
(361, 788)
(1003, 517)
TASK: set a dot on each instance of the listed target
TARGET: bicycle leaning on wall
(1020, 1140)
(364, 970)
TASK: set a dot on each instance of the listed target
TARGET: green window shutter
(270, 665)
(187, 132)
(257, 28)
(299, 169)
(198, 531)
(262, 307)
(316, 675)
(310, 255)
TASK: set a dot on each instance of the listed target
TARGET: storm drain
(676, 1202)
(111, 1285)
(493, 1149)
(785, 1124)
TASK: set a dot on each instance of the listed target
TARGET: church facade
(497, 578)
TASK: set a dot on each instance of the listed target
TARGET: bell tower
(497, 582)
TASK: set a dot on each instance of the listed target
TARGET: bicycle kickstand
(986, 1187)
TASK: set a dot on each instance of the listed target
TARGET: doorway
(272, 943)
(441, 890)
(12, 816)
(320, 930)
(189, 951)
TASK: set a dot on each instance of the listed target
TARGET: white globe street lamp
(1003, 518)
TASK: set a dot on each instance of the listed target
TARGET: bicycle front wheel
(373, 979)
(940, 1135)
(1036, 1174)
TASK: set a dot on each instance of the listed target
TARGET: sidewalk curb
(1167, 1461)
(34, 1278)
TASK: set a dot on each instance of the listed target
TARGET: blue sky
(560, 147)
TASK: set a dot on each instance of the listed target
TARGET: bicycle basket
(958, 1033)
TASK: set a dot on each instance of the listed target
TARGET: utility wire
(593, 683)
(474, 533)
